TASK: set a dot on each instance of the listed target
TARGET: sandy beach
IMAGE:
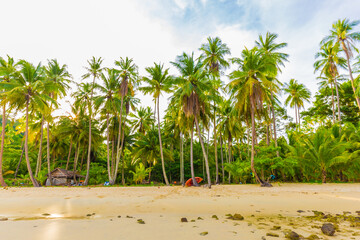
(114, 212)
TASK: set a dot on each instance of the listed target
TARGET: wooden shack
(61, 177)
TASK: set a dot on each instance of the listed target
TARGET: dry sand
(61, 212)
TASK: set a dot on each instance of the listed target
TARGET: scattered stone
(127, 216)
(204, 233)
(200, 218)
(192, 220)
(88, 215)
(276, 228)
(93, 214)
(140, 221)
(118, 216)
(3, 219)
(358, 212)
(266, 184)
(328, 229)
(236, 216)
(272, 234)
(313, 237)
(292, 235)
(214, 216)
(346, 212)
(46, 214)
(183, 219)
(300, 211)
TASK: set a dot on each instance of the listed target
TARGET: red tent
(189, 182)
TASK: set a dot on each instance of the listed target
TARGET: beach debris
(93, 214)
(263, 238)
(4, 219)
(276, 228)
(313, 237)
(184, 219)
(300, 211)
(346, 212)
(192, 220)
(272, 234)
(204, 233)
(292, 235)
(328, 229)
(358, 212)
(118, 216)
(89, 215)
(200, 218)
(46, 214)
(140, 221)
(127, 216)
(215, 217)
(236, 216)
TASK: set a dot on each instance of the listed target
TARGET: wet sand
(113, 212)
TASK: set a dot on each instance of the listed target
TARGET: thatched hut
(61, 176)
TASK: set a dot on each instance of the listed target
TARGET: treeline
(224, 133)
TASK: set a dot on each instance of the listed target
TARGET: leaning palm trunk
(69, 155)
(253, 136)
(274, 122)
(350, 73)
(118, 144)
(333, 102)
(34, 182)
(39, 162)
(195, 183)
(161, 150)
(48, 152)
(182, 179)
(2, 181)
(108, 147)
(203, 149)
(338, 99)
(123, 160)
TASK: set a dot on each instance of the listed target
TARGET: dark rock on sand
(272, 234)
(140, 221)
(3, 219)
(328, 229)
(292, 235)
(236, 216)
(183, 219)
(204, 233)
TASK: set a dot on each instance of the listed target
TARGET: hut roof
(63, 173)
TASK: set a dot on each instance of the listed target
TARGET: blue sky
(158, 30)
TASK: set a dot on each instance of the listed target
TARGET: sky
(158, 30)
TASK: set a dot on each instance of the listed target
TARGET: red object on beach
(189, 182)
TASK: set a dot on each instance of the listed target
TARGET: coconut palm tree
(298, 93)
(249, 88)
(194, 93)
(159, 81)
(128, 81)
(27, 91)
(93, 70)
(342, 32)
(8, 71)
(109, 101)
(142, 120)
(57, 80)
(270, 49)
(213, 57)
(328, 63)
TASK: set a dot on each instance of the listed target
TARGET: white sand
(162, 208)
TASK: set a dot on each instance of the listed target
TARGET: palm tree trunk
(350, 72)
(122, 161)
(76, 158)
(203, 149)
(48, 152)
(195, 183)
(333, 102)
(34, 182)
(338, 100)
(86, 182)
(215, 147)
(69, 155)
(222, 159)
(118, 143)
(182, 179)
(161, 150)
(2, 181)
(296, 116)
(253, 145)
(274, 122)
(21, 157)
(108, 146)
(229, 153)
(298, 113)
(39, 162)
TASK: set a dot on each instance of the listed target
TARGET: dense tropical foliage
(222, 125)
